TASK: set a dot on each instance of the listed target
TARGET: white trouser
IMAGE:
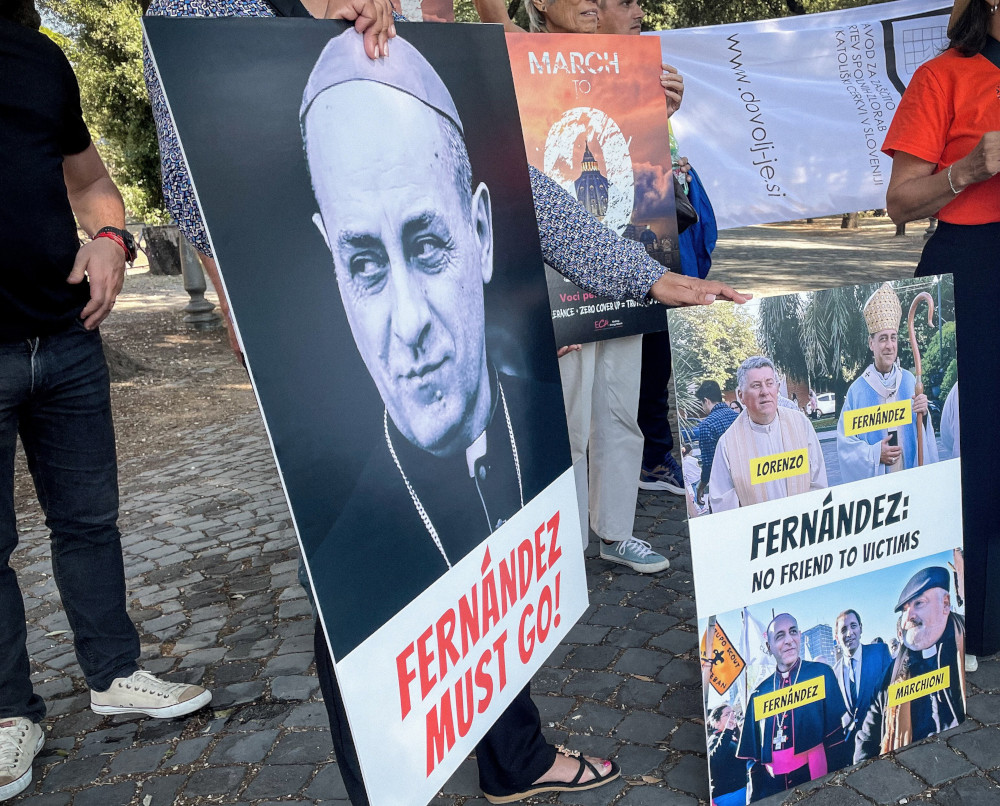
(601, 391)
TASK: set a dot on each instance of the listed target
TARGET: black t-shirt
(40, 121)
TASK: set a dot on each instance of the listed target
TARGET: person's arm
(707, 440)
(97, 203)
(868, 740)
(496, 11)
(858, 458)
(593, 257)
(917, 190)
(722, 493)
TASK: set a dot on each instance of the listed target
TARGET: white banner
(785, 118)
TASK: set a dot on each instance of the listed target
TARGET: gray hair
(536, 19)
(754, 362)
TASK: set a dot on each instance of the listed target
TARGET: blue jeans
(55, 393)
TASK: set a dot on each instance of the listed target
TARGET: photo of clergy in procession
(808, 391)
(819, 688)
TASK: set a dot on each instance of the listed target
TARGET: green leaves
(104, 44)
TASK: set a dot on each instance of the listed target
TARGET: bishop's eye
(368, 269)
(429, 252)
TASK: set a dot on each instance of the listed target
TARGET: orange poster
(595, 121)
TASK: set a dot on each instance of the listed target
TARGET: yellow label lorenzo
(779, 466)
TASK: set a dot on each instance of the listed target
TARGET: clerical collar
(888, 378)
(787, 675)
(475, 452)
(930, 652)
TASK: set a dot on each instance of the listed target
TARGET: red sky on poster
(615, 75)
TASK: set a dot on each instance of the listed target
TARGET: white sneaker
(971, 663)
(20, 741)
(142, 693)
(636, 554)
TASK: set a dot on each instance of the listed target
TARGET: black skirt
(972, 254)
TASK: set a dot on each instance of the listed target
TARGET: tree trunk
(849, 221)
(121, 365)
(840, 387)
(163, 249)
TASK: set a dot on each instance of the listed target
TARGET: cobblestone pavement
(211, 563)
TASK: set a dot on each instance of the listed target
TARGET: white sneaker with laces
(142, 693)
(20, 741)
(636, 554)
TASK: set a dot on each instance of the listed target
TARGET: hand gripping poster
(595, 121)
(821, 455)
(374, 227)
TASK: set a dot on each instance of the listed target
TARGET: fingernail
(385, 49)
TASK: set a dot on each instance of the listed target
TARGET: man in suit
(859, 673)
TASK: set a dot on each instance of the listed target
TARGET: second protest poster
(823, 483)
(595, 122)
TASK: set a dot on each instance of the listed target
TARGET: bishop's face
(885, 347)
(783, 641)
(411, 257)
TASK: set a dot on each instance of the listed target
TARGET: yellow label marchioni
(786, 699)
(915, 687)
(779, 466)
(878, 418)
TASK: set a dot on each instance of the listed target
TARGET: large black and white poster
(373, 224)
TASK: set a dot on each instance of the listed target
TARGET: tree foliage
(105, 47)
(712, 342)
(104, 42)
(822, 337)
(661, 14)
(819, 337)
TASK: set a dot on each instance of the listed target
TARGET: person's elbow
(895, 207)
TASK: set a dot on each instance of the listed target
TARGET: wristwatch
(122, 237)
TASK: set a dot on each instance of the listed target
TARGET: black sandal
(564, 786)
